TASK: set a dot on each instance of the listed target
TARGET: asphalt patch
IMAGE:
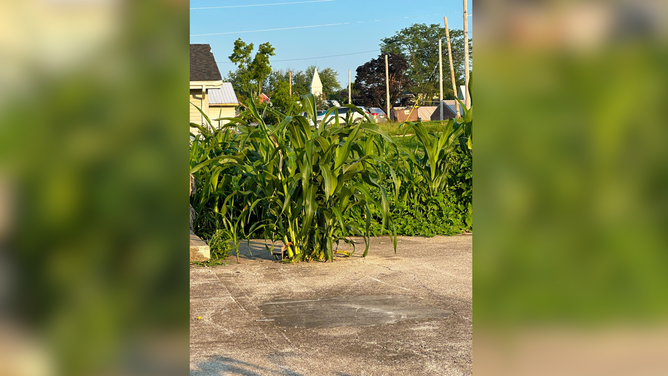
(342, 311)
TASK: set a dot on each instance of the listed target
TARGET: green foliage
(260, 67)
(220, 245)
(424, 205)
(418, 44)
(242, 84)
(241, 56)
(395, 129)
(301, 83)
(310, 187)
(431, 163)
(257, 69)
(281, 102)
(289, 181)
(433, 177)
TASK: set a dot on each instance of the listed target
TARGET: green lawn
(409, 141)
(393, 128)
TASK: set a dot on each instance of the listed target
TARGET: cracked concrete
(407, 313)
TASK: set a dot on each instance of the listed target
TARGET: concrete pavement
(407, 313)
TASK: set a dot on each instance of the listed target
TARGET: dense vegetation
(308, 188)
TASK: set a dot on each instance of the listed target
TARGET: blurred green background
(571, 177)
(94, 181)
(571, 186)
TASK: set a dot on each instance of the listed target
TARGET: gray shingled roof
(203, 65)
(224, 95)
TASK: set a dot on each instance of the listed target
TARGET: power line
(310, 58)
(262, 5)
(312, 26)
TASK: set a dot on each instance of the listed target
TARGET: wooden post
(349, 95)
(466, 55)
(387, 85)
(290, 74)
(452, 68)
(440, 77)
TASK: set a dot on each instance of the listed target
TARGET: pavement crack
(389, 284)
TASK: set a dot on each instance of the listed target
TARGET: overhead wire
(314, 26)
(311, 58)
(261, 5)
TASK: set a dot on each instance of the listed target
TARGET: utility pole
(440, 77)
(452, 68)
(349, 96)
(290, 74)
(466, 55)
(387, 85)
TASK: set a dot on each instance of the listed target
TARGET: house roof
(224, 95)
(203, 65)
(452, 106)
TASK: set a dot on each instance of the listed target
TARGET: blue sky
(337, 30)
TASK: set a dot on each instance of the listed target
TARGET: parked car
(344, 113)
(318, 113)
(366, 110)
(378, 115)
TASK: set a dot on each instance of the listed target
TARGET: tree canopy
(370, 81)
(301, 80)
(257, 69)
(418, 44)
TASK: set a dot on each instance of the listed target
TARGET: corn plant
(431, 161)
(293, 182)
(316, 175)
(432, 181)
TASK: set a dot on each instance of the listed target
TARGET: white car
(345, 114)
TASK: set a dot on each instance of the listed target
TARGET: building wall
(216, 112)
(201, 100)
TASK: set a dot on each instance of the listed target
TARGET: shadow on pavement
(257, 250)
(220, 365)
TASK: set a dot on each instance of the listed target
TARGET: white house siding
(216, 112)
(201, 100)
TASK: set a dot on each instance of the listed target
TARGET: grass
(409, 141)
(392, 128)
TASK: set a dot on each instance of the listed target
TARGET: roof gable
(203, 65)
(316, 84)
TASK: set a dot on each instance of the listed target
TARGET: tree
(370, 80)
(301, 84)
(260, 67)
(240, 79)
(418, 44)
(274, 78)
(280, 97)
(301, 81)
(257, 69)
